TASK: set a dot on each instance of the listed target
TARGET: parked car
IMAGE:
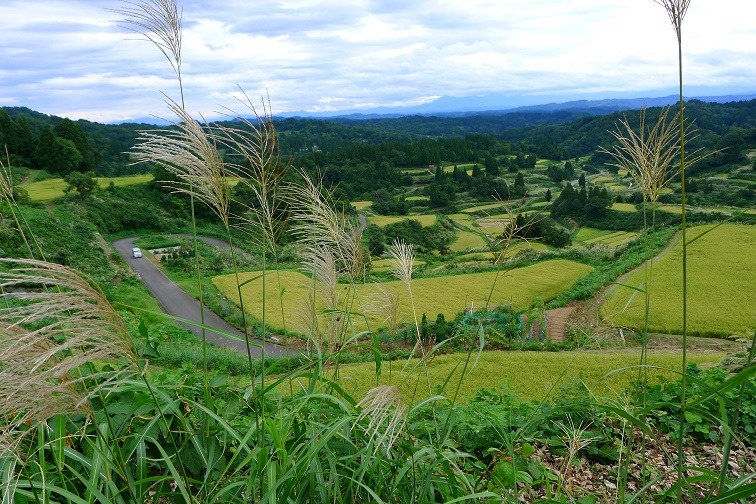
(136, 252)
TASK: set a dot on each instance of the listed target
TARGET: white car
(136, 252)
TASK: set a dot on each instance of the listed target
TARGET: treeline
(412, 141)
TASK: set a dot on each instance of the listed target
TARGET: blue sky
(71, 58)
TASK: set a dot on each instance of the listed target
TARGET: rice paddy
(467, 240)
(385, 220)
(361, 205)
(624, 207)
(514, 372)
(590, 236)
(484, 208)
(721, 269)
(448, 294)
(45, 190)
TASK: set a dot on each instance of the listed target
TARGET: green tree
(492, 167)
(375, 240)
(69, 130)
(548, 195)
(82, 183)
(519, 186)
(27, 142)
(581, 180)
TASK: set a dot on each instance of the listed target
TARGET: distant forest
(373, 149)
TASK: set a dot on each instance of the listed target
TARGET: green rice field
(590, 236)
(45, 190)
(483, 208)
(624, 207)
(448, 294)
(721, 292)
(467, 240)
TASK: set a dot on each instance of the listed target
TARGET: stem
(681, 433)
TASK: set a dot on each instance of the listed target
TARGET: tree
(548, 195)
(82, 183)
(519, 186)
(581, 180)
(492, 167)
(69, 130)
(375, 240)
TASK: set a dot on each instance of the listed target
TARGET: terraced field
(721, 293)
(385, 220)
(448, 294)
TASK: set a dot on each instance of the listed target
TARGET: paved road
(177, 303)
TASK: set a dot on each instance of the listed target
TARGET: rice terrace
(426, 299)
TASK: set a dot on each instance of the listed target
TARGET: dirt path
(556, 322)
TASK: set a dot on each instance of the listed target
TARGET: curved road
(177, 303)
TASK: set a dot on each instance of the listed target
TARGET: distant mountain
(498, 104)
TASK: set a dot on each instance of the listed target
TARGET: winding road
(179, 304)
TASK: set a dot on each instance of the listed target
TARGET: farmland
(447, 295)
(722, 268)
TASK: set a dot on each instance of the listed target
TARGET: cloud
(71, 57)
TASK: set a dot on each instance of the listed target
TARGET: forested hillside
(60, 146)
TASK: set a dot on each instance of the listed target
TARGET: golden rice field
(607, 373)
(45, 190)
(361, 205)
(448, 294)
(721, 291)
(387, 264)
(467, 240)
(385, 220)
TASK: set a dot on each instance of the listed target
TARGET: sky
(74, 58)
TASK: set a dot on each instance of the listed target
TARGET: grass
(448, 294)
(45, 190)
(514, 371)
(467, 240)
(385, 220)
(721, 293)
(417, 198)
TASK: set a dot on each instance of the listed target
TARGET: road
(179, 304)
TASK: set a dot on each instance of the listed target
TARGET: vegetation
(393, 394)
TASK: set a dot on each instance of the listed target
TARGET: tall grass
(83, 420)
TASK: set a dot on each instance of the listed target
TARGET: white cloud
(71, 57)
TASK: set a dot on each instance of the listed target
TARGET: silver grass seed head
(56, 332)
(189, 153)
(404, 259)
(386, 413)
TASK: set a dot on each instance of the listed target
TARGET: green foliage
(709, 400)
(82, 183)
